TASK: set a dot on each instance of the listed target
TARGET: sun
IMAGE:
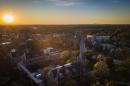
(8, 18)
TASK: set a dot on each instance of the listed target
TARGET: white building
(107, 46)
(51, 52)
(97, 39)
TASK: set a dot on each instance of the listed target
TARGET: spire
(82, 49)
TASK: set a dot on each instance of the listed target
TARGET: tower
(82, 49)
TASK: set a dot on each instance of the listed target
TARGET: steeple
(82, 49)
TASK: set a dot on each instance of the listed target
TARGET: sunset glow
(65, 11)
(8, 18)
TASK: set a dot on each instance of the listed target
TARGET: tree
(7, 70)
(122, 72)
(101, 57)
(101, 69)
(87, 79)
(65, 55)
(34, 46)
(71, 83)
(89, 54)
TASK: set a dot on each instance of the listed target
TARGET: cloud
(66, 2)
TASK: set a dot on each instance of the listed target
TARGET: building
(35, 77)
(51, 53)
(70, 70)
(97, 39)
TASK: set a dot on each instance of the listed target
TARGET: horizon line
(57, 24)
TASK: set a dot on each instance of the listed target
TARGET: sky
(66, 11)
